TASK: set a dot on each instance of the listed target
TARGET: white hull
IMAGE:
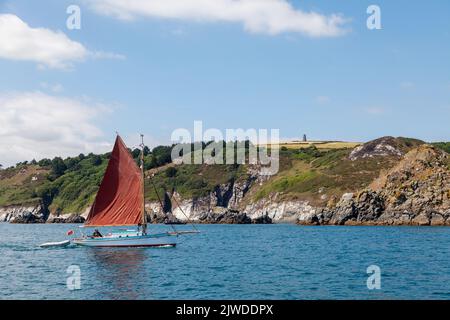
(156, 240)
(64, 243)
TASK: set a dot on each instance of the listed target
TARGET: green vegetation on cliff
(307, 173)
(443, 146)
(69, 185)
(192, 181)
(64, 185)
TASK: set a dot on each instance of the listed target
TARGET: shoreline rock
(23, 214)
(70, 218)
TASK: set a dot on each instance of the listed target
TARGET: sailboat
(120, 203)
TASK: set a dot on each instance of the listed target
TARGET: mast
(144, 216)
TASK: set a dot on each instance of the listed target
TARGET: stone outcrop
(37, 214)
(67, 218)
(224, 216)
(279, 210)
(414, 192)
(364, 208)
(23, 214)
(264, 219)
(382, 147)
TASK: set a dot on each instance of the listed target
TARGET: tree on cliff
(163, 155)
(150, 164)
(58, 167)
(136, 153)
(96, 160)
(146, 151)
(45, 162)
(71, 163)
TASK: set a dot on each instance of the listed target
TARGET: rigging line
(181, 209)
(160, 201)
(172, 197)
(144, 214)
(189, 220)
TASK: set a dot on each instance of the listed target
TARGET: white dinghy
(64, 243)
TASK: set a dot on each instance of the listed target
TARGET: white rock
(347, 196)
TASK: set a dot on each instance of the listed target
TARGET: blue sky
(162, 74)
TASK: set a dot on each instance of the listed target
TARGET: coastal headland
(387, 181)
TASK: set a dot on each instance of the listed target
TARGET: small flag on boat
(70, 232)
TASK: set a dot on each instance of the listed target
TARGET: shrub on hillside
(96, 160)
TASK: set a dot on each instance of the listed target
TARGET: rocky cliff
(222, 205)
(388, 181)
(414, 192)
(23, 214)
(36, 214)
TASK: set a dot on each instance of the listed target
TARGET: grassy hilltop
(69, 185)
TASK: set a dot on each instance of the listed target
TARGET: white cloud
(48, 48)
(257, 16)
(37, 125)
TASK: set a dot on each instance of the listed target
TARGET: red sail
(120, 197)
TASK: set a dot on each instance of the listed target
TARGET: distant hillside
(312, 175)
(64, 186)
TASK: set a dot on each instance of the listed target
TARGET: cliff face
(23, 214)
(281, 211)
(68, 217)
(219, 206)
(37, 214)
(414, 192)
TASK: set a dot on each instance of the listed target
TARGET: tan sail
(120, 197)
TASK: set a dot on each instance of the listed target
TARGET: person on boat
(144, 228)
(97, 234)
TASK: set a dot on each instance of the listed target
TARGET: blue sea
(232, 262)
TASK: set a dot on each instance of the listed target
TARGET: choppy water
(233, 262)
